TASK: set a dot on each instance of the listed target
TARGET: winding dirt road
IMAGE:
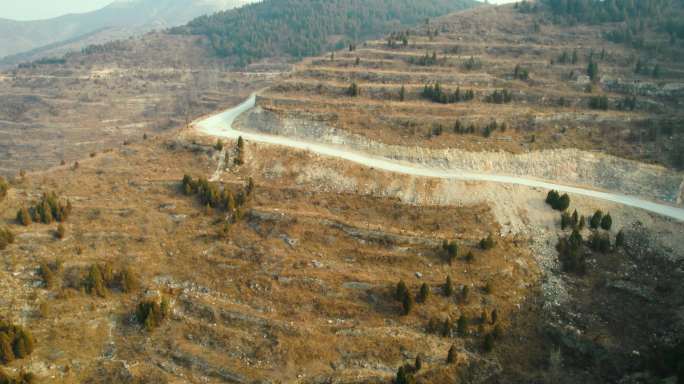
(221, 125)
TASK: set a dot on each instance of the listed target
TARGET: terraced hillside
(530, 85)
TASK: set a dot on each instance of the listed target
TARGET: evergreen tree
(448, 287)
(400, 291)
(596, 220)
(353, 90)
(424, 293)
(620, 239)
(451, 356)
(462, 325)
(94, 282)
(607, 222)
(592, 70)
(452, 252)
(402, 93)
(488, 342)
(407, 303)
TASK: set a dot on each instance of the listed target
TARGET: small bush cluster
(488, 242)
(403, 295)
(102, 278)
(215, 197)
(598, 102)
(49, 209)
(521, 73)
(15, 342)
(151, 312)
(22, 378)
(353, 90)
(435, 93)
(499, 96)
(558, 202)
(450, 250)
(6, 238)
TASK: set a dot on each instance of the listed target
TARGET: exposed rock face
(569, 166)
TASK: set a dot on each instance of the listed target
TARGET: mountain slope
(120, 19)
(301, 28)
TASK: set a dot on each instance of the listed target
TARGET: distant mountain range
(29, 40)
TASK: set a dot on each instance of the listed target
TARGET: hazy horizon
(45, 9)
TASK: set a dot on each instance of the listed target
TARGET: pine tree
(6, 352)
(402, 93)
(462, 325)
(407, 303)
(424, 293)
(94, 282)
(596, 219)
(400, 291)
(607, 222)
(592, 70)
(448, 287)
(489, 342)
(494, 316)
(620, 239)
(452, 252)
(451, 356)
(418, 365)
(23, 216)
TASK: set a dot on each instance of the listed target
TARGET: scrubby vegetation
(49, 209)
(301, 28)
(152, 312)
(6, 238)
(15, 342)
(435, 93)
(4, 187)
(213, 196)
(558, 202)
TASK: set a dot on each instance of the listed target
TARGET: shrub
(23, 216)
(400, 291)
(424, 293)
(488, 342)
(494, 317)
(47, 273)
(502, 96)
(15, 342)
(599, 242)
(4, 187)
(620, 239)
(558, 202)
(465, 294)
(407, 303)
(470, 257)
(353, 90)
(607, 222)
(50, 208)
(571, 253)
(596, 219)
(451, 252)
(240, 155)
(219, 145)
(405, 375)
(488, 242)
(462, 325)
(151, 313)
(6, 238)
(94, 283)
(61, 231)
(128, 280)
(451, 356)
(448, 287)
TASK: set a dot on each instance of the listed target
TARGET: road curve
(221, 125)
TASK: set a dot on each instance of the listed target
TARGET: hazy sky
(44, 9)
